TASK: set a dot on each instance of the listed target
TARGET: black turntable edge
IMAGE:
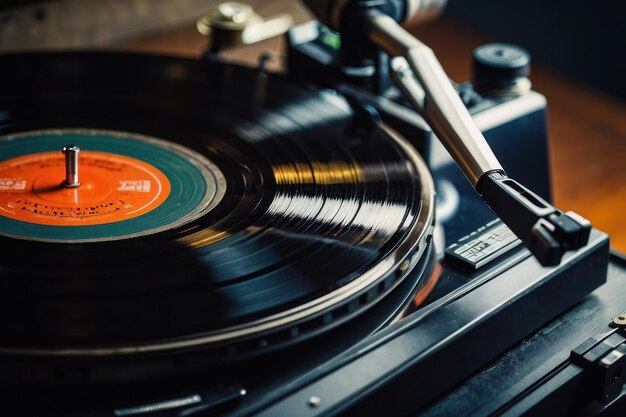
(572, 366)
(430, 352)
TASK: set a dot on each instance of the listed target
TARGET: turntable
(192, 237)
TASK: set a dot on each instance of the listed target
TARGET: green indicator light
(332, 39)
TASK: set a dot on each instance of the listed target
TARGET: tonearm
(546, 231)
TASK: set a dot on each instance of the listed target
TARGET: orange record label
(112, 188)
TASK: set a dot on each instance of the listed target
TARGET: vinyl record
(217, 205)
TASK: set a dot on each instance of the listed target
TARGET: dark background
(584, 39)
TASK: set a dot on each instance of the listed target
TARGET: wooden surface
(587, 130)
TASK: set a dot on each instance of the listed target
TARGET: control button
(501, 69)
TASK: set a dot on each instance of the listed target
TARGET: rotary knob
(234, 24)
(501, 69)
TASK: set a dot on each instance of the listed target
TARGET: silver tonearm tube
(441, 106)
(545, 230)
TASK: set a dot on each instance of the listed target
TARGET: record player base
(434, 349)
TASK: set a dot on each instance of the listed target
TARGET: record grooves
(294, 224)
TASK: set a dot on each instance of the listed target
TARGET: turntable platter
(236, 207)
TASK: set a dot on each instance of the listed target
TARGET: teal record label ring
(90, 185)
